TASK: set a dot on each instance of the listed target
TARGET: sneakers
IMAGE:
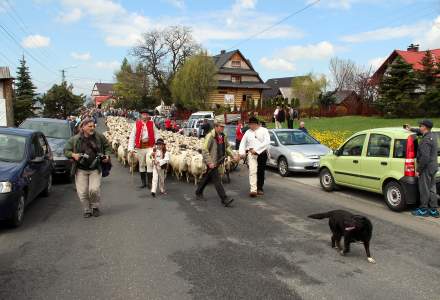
(433, 212)
(420, 212)
(153, 194)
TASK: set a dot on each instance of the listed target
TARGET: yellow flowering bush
(332, 139)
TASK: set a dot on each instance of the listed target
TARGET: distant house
(6, 95)
(280, 87)
(347, 102)
(238, 82)
(101, 93)
(412, 56)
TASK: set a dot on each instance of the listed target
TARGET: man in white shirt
(255, 143)
(142, 139)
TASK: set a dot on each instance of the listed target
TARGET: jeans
(212, 175)
(88, 188)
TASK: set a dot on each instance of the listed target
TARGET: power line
(276, 24)
(11, 36)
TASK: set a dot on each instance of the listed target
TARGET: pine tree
(397, 96)
(24, 94)
(428, 74)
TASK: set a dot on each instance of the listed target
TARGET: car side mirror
(273, 143)
(37, 160)
(337, 152)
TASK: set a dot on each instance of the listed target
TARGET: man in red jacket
(142, 139)
(238, 134)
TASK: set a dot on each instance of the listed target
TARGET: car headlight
(297, 155)
(5, 187)
(59, 152)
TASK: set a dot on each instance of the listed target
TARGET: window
(273, 140)
(235, 78)
(37, 150)
(12, 147)
(295, 138)
(43, 144)
(236, 64)
(379, 145)
(354, 146)
(399, 149)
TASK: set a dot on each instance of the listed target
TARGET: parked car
(377, 160)
(202, 115)
(292, 150)
(193, 127)
(25, 171)
(57, 133)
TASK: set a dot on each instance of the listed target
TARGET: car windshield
(50, 129)
(295, 138)
(12, 147)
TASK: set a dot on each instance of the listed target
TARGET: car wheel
(283, 167)
(327, 181)
(18, 216)
(394, 196)
(48, 188)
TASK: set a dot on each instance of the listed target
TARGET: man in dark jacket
(427, 168)
(205, 128)
(85, 149)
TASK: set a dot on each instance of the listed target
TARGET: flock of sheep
(186, 160)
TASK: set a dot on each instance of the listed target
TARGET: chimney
(413, 48)
(223, 52)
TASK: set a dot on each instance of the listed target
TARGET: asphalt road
(175, 247)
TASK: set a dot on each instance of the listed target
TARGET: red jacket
(238, 133)
(150, 129)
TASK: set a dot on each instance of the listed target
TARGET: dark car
(25, 171)
(57, 132)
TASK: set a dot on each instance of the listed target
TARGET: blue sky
(89, 38)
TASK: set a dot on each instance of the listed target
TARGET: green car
(379, 160)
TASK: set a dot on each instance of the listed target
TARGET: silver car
(292, 150)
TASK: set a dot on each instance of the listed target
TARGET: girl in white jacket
(160, 158)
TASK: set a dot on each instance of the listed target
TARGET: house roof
(237, 71)
(276, 84)
(341, 96)
(5, 74)
(243, 85)
(413, 58)
(221, 59)
(104, 88)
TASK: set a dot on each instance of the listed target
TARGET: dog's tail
(320, 216)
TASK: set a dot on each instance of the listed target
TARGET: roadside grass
(352, 124)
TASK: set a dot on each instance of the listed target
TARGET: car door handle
(384, 163)
(355, 161)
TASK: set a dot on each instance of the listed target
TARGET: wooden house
(6, 98)
(238, 82)
(101, 93)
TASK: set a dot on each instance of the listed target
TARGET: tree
(430, 83)
(163, 52)
(397, 90)
(344, 73)
(193, 83)
(308, 88)
(60, 102)
(132, 87)
(327, 99)
(24, 94)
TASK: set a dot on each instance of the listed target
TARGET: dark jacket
(303, 129)
(281, 116)
(427, 153)
(74, 144)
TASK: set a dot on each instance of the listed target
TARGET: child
(160, 158)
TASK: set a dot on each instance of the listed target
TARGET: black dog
(352, 227)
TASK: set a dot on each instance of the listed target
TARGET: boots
(144, 180)
(150, 179)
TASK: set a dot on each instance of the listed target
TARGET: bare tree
(344, 73)
(366, 91)
(163, 52)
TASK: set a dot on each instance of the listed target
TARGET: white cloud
(375, 63)
(431, 38)
(388, 33)
(277, 64)
(285, 59)
(180, 4)
(81, 56)
(70, 17)
(318, 51)
(35, 41)
(108, 65)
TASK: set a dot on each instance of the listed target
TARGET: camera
(98, 159)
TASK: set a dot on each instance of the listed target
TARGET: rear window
(50, 129)
(400, 147)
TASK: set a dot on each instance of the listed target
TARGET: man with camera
(89, 150)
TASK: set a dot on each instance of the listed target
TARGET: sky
(90, 38)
